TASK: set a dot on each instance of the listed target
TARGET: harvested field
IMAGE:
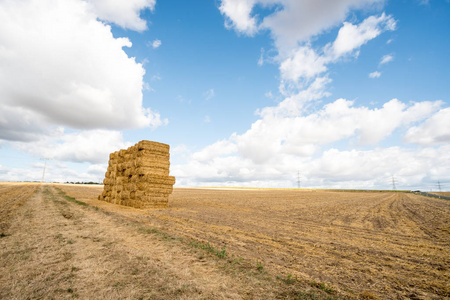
(364, 243)
(349, 244)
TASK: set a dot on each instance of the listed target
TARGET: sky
(350, 94)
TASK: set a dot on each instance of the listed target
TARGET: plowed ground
(345, 244)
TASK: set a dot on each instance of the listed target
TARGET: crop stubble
(364, 243)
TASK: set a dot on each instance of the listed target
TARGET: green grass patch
(222, 253)
(259, 266)
(322, 286)
(68, 198)
(160, 233)
(289, 279)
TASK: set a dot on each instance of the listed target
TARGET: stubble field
(326, 243)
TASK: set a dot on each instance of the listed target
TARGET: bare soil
(364, 245)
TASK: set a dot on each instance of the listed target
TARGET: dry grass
(12, 196)
(212, 244)
(58, 247)
(359, 244)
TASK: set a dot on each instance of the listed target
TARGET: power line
(45, 165)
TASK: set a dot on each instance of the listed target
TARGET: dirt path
(58, 249)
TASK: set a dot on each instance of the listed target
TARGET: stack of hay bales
(139, 176)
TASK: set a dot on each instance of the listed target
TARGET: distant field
(364, 245)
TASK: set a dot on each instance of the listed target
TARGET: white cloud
(386, 58)
(207, 119)
(123, 13)
(304, 62)
(209, 94)
(375, 168)
(91, 146)
(412, 169)
(261, 58)
(292, 135)
(283, 140)
(268, 94)
(375, 74)
(156, 44)
(237, 15)
(351, 37)
(434, 131)
(291, 21)
(179, 149)
(156, 77)
(77, 74)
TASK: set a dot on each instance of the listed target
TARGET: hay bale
(152, 171)
(139, 176)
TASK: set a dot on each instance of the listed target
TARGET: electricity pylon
(45, 165)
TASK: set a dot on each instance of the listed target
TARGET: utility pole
(45, 165)
(298, 179)
(393, 183)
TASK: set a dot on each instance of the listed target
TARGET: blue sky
(350, 93)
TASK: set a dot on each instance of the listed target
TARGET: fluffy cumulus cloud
(291, 21)
(92, 146)
(76, 75)
(66, 84)
(434, 131)
(123, 13)
(351, 37)
(304, 63)
(334, 144)
(281, 142)
(238, 15)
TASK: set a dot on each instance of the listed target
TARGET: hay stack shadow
(139, 176)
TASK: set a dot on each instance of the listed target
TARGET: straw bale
(153, 146)
(125, 194)
(156, 179)
(157, 155)
(121, 180)
(112, 156)
(153, 197)
(144, 186)
(152, 171)
(152, 162)
(154, 189)
(139, 176)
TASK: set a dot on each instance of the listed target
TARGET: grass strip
(69, 198)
